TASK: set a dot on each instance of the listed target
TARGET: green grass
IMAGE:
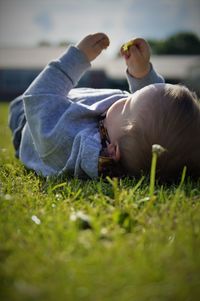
(98, 241)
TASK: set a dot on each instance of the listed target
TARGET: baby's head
(163, 114)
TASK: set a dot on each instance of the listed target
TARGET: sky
(26, 22)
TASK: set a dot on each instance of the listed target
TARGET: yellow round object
(127, 45)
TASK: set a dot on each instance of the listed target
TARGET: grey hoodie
(61, 132)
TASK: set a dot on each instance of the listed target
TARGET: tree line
(180, 43)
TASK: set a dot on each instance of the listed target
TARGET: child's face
(127, 110)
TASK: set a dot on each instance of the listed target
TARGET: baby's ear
(113, 151)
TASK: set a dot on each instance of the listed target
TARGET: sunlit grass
(87, 240)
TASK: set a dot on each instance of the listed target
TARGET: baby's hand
(137, 55)
(93, 45)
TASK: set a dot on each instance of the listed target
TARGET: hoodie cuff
(73, 63)
(138, 83)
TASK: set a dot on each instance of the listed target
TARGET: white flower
(82, 220)
(35, 219)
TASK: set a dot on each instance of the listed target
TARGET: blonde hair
(174, 123)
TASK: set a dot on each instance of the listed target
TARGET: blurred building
(19, 67)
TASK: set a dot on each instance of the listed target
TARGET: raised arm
(60, 75)
(140, 72)
(46, 104)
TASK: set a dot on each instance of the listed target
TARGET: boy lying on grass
(83, 132)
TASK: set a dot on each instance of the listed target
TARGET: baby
(83, 132)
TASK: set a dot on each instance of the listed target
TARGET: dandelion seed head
(7, 197)
(158, 149)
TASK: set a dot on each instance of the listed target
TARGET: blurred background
(33, 32)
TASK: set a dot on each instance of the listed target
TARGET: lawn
(99, 241)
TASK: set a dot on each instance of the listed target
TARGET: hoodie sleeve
(46, 101)
(138, 83)
(60, 75)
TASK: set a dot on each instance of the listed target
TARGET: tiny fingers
(125, 47)
(104, 42)
(101, 38)
(138, 42)
(101, 44)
